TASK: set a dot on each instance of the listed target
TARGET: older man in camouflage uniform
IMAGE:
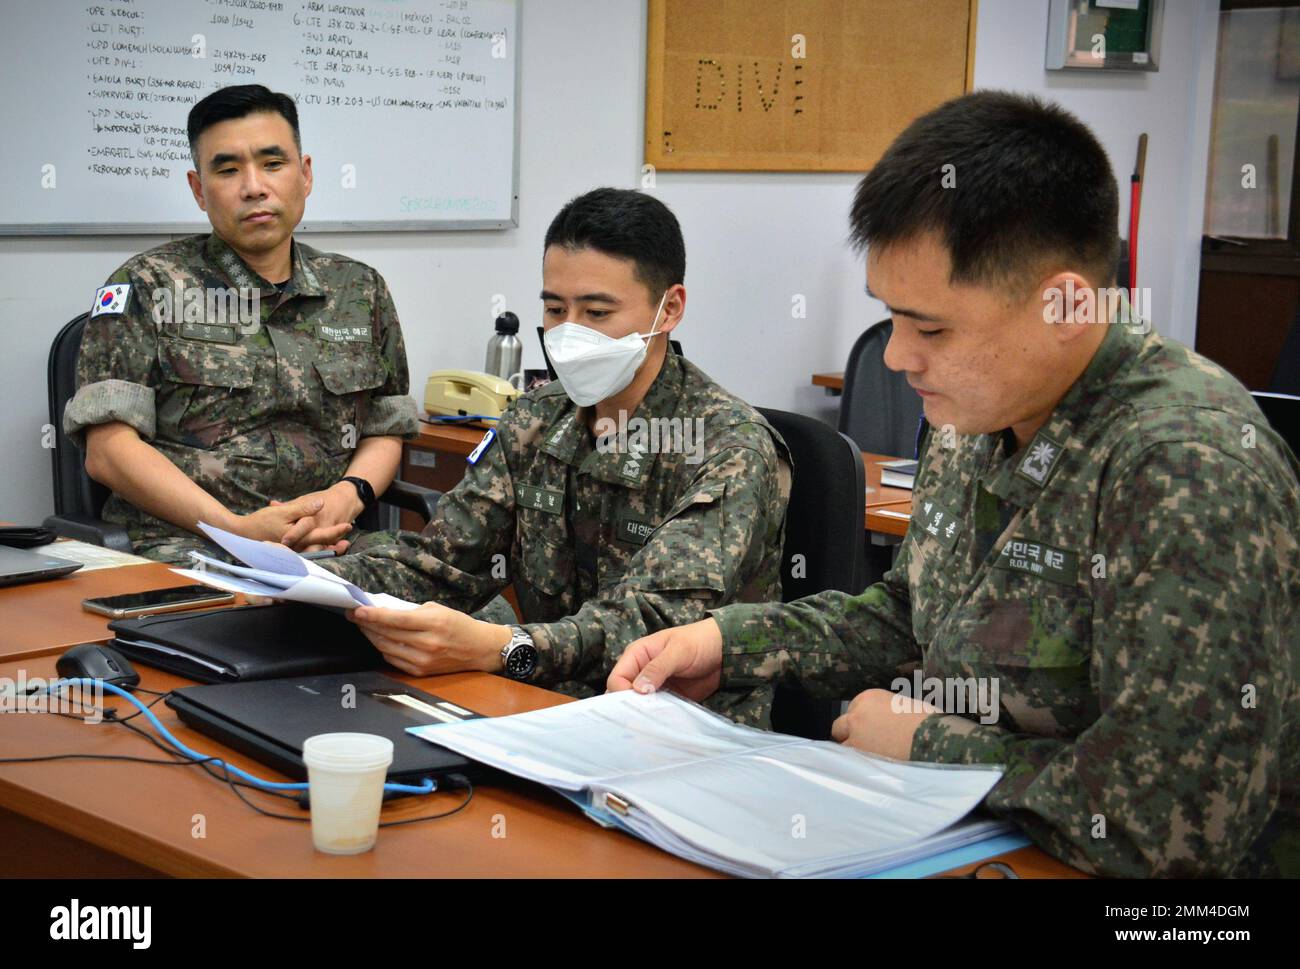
(1103, 538)
(605, 537)
(208, 392)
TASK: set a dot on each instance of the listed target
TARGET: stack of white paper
(278, 572)
(738, 799)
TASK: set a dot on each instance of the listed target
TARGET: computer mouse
(97, 661)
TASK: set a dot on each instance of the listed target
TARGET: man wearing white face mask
(630, 495)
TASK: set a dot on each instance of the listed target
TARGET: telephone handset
(465, 393)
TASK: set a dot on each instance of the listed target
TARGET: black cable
(434, 817)
(206, 763)
(150, 705)
(236, 785)
(141, 689)
(178, 758)
(137, 760)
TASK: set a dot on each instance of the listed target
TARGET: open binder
(734, 798)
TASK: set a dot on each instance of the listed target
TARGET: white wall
(753, 241)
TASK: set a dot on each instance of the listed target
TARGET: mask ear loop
(655, 322)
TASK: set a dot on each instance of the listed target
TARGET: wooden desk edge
(833, 380)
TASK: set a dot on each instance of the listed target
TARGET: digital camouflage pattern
(270, 408)
(603, 548)
(1132, 581)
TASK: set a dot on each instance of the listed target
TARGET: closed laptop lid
(28, 565)
(270, 719)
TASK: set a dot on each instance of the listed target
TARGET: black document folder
(247, 643)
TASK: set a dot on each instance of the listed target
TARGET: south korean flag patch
(111, 299)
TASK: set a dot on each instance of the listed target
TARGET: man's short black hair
(1029, 185)
(239, 101)
(630, 225)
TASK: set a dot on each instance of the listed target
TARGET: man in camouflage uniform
(208, 392)
(1104, 531)
(604, 537)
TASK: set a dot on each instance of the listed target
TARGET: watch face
(522, 661)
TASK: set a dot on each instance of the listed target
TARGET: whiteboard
(408, 108)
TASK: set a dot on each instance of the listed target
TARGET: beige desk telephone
(460, 393)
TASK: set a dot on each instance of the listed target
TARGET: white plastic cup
(346, 773)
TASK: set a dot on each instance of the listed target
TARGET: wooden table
(833, 382)
(40, 618)
(885, 529)
(83, 818)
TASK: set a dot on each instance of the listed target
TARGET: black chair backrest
(1283, 413)
(75, 492)
(541, 339)
(879, 409)
(1286, 375)
(825, 521)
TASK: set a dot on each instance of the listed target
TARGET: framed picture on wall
(1103, 35)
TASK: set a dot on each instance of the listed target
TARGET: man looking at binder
(1103, 525)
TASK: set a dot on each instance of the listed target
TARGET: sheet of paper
(268, 559)
(260, 555)
(210, 565)
(93, 557)
(593, 741)
(308, 590)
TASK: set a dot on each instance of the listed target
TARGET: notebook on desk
(246, 643)
(269, 720)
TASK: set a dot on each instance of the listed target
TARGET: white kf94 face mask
(592, 366)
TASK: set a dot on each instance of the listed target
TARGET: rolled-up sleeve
(117, 368)
(392, 410)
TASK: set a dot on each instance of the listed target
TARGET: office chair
(1283, 413)
(824, 528)
(1286, 375)
(79, 499)
(878, 409)
(882, 413)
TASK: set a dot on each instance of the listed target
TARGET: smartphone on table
(157, 601)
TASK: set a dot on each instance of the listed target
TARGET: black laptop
(269, 719)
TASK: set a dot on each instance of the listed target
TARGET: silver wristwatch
(519, 656)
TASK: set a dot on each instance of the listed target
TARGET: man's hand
(686, 659)
(269, 524)
(340, 506)
(432, 639)
(881, 722)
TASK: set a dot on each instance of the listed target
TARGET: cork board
(797, 85)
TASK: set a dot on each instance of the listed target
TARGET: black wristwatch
(364, 492)
(519, 656)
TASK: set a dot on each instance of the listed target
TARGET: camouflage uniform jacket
(1130, 581)
(250, 407)
(602, 548)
